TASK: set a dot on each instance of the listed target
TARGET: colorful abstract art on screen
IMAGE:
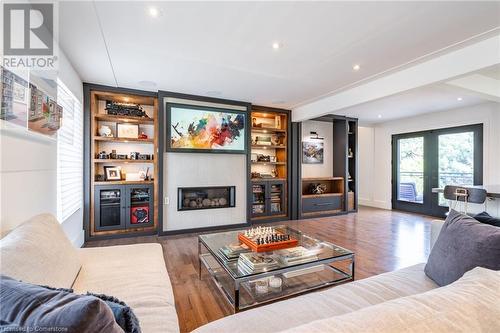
(206, 129)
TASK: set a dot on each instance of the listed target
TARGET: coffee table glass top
(317, 250)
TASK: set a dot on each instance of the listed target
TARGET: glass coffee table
(248, 279)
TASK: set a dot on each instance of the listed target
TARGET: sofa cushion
(37, 308)
(462, 245)
(326, 303)
(39, 252)
(135, 274)
(468, 305)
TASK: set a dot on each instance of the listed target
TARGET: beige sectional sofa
(39, 252)
(403, 300)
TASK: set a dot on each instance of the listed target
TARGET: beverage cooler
(123, 206)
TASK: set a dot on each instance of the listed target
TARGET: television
(205, 129)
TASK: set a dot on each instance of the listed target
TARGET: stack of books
(296, 255)
(232, 252)
(253, 262)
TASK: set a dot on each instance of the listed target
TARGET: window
(69, 154)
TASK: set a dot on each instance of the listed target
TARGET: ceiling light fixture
(379, 116)
(276, 45)
(153, 12)
(356, 67)
(459, 99)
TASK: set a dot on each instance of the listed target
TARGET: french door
(425, 160)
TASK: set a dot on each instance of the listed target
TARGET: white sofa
(39, 252)
(403, 300)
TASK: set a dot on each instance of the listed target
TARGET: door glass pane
(259, 199)
(411, 169)
(276, 198)
(110, 208)
(456, 161)
(139, 205)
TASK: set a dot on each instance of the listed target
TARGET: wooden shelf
(322, 195)
(268, 130)
(125, 140)
(269, 163)
(124, 98)
(123, 182)
(125, 119)
(313, 179)
(267, 179)
(267, 147)
(97, 160)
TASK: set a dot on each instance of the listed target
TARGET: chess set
(264, 239)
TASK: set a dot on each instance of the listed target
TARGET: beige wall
(375, 148)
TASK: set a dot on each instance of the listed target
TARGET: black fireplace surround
(209, 197)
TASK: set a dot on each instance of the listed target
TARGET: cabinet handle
(324, 204)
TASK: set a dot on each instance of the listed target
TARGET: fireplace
(210, 197)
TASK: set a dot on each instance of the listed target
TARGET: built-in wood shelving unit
(269, 164)
(128, 189)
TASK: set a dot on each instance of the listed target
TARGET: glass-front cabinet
(120, 207)
(268, 198)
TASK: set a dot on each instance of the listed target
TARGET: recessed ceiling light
(276, 45)
(379, 116)
(459, 99)
(154, 12)
(356, 67)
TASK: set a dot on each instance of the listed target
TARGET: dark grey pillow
(484, 217)
(37, 308)
(124, 316)
(462, 245)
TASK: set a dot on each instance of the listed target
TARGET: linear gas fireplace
(193, 198)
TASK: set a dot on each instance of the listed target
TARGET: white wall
(375, 147)
(28, 170)
(196, 169)
(324, 130)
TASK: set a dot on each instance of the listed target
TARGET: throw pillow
(462, 245)
(484, 217)
(37, 308)
(124, 316)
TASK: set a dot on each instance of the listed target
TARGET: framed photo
(113, 173)
(128, 131)
(205, 129)
(312, 152)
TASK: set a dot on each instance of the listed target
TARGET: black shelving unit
(345, 167)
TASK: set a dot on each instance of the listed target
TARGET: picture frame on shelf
(112, 173)
(127, 131)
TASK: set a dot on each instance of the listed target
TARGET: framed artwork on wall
(312, 152)
(205, 129)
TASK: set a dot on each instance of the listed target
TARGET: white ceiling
(422, 100)
(224, 48)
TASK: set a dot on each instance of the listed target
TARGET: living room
(250, 166)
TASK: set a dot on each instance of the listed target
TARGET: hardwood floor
(382, 241)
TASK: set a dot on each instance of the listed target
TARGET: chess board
(271, 246)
